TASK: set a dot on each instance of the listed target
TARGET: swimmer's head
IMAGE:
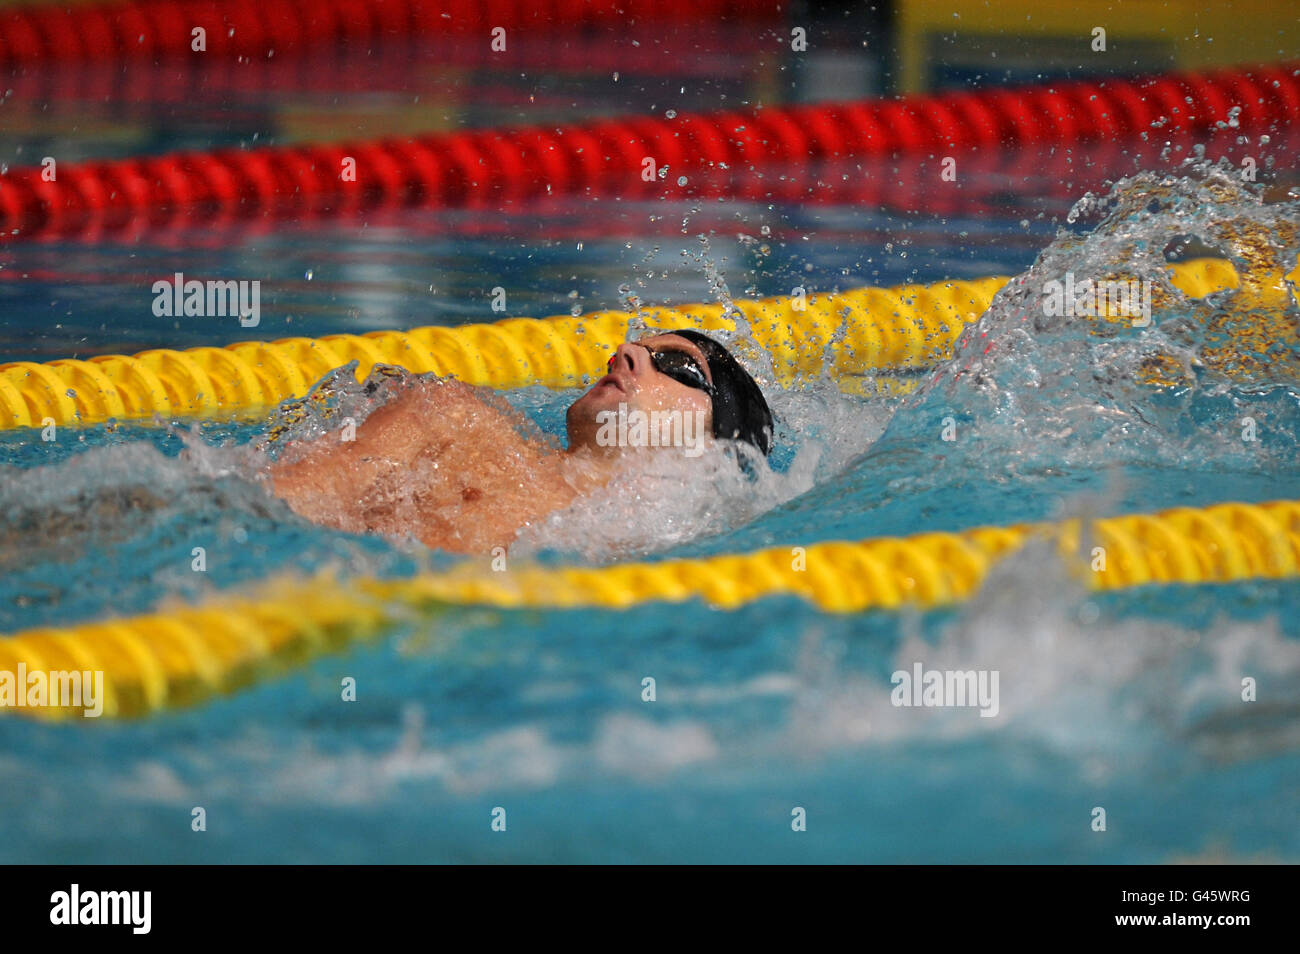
(676, 371)
(740, 411)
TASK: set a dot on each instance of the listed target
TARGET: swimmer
(442, 464)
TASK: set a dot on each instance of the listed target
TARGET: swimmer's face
(635, 380)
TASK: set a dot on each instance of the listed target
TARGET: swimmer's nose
(633, 358)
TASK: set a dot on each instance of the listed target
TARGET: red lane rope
(130, 29)
(1054, 177)
(494, 168)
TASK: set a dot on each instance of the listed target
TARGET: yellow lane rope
(884, 330)
(179, 657)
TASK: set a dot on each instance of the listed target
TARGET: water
(1130, 701)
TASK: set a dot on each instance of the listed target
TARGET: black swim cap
(740, 411)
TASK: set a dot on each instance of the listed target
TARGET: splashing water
(1206, 384)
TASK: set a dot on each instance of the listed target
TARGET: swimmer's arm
(428, 416)
(436, 462)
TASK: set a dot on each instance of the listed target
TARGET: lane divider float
(183, 656)
(41, 34)
(884, 331)
(499, 168)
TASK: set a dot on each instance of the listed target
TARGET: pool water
(1127, 700)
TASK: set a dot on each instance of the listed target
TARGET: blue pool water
(1127, 700)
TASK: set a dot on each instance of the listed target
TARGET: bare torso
(437, 463)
